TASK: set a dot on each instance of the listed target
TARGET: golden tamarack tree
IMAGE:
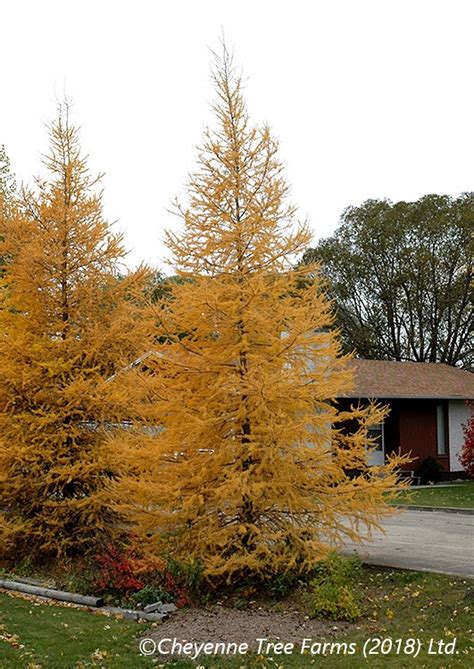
(67, 323)
(251, 472)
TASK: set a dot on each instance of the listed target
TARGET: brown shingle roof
(428, 380)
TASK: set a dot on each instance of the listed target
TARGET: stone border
(160, 612)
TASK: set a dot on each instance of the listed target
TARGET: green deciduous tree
(400, 275)
(7, 190)
(7, 178)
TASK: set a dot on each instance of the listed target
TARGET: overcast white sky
(369, 98)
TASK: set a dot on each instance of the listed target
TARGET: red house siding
(411, 427)
(418, 432)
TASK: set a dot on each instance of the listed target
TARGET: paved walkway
(423, 540)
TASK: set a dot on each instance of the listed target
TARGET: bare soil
(221, 624)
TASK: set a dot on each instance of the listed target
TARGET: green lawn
(54, 637)
(460, 496)
(397, 604)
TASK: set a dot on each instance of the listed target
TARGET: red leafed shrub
(117, 572)
(180, 596)
(124, 573)
(467, 454)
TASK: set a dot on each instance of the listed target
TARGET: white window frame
(441, 429)
(376, 426)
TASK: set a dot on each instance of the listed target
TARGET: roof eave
(408, 397)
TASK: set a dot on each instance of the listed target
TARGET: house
(428, 402)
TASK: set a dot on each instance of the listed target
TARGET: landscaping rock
(130, 614)
(169, 608)
(153, 607)
(153, 617)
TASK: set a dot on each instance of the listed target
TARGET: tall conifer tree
(251, 471)
(68, 323)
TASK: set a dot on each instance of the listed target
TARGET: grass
(396, 603)
(34, 635)
(459, 496)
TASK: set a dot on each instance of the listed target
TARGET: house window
(441, 440)
(375, 433)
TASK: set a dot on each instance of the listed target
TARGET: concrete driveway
(423, 540)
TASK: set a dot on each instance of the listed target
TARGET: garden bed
(395, 604)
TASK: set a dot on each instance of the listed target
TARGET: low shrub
(188, 575)
(116, 572)
(282, 584)
(130, 578)
(150, 594)
(78, 577)
(467, 454)
(331, 590)
(430, 470)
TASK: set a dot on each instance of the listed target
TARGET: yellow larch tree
(249, 469)
(68, 321)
